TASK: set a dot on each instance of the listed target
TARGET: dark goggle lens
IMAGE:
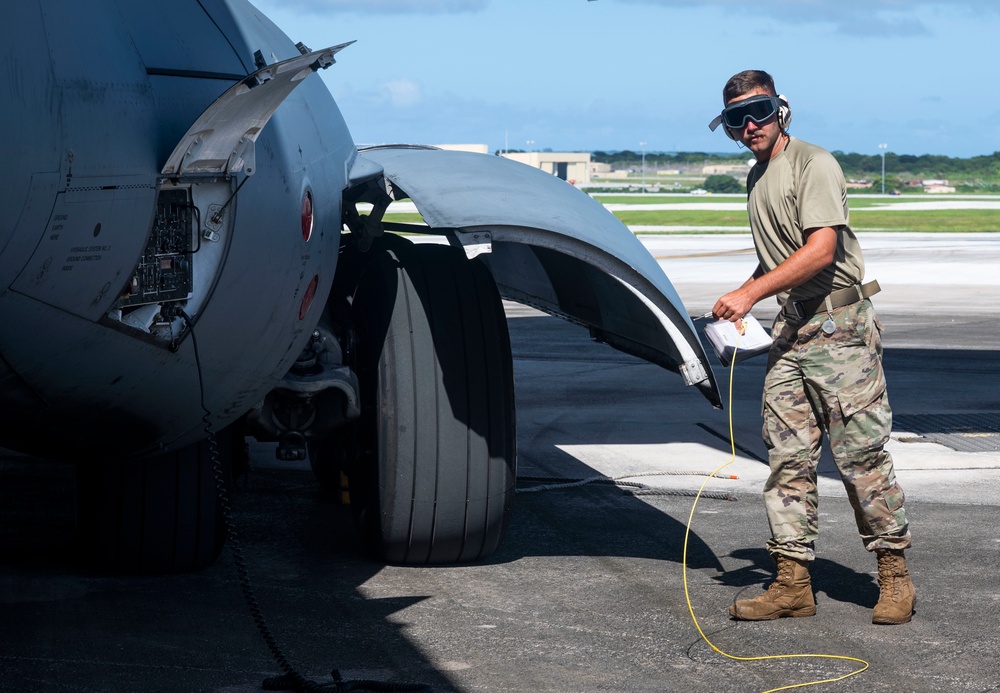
(758, 111)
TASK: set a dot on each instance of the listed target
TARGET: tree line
(983, 168)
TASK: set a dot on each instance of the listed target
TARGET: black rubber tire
(157, 515)
(436, 460)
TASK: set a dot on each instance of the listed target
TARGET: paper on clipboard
(727, 341)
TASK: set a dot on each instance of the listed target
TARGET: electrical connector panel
(164, 272)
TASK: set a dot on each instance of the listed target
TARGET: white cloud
(402, 93)
(853, 17)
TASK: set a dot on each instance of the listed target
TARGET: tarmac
(588, 591)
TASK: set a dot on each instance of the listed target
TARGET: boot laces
(889, 578)
(776, 587)
(782, 579)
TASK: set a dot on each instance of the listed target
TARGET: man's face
(759, 138)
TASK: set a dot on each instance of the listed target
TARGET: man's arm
(801, 266)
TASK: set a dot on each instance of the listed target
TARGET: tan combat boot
(789, 595)
(897, 597)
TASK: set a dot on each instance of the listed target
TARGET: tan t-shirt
(802, 188)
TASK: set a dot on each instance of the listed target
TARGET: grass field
(868, 214)
(666, 199)
(931, 221)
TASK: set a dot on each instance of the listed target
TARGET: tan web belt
(808, 307)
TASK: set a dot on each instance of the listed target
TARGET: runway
(586, 594)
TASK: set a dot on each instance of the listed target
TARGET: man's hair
(748, 80)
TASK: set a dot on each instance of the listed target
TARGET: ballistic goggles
(756, 108)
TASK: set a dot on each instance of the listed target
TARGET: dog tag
(829, 327)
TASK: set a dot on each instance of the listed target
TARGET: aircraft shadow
(60, 621)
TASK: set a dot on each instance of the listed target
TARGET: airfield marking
(718, 253)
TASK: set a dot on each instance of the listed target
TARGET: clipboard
(731, 346)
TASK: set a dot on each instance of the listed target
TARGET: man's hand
(735, 304)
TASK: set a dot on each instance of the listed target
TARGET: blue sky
(583, 75)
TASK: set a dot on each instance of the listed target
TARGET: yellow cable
(687, 595)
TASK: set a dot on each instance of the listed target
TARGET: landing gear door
(552, 246)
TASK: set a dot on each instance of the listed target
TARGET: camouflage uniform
(820, 383)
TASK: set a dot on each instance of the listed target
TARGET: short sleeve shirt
(802, 188)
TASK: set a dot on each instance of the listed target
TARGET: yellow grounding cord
(687, 595)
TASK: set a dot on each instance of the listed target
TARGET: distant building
(724, 170)
(601, 170)
(573, 167)
(935, 189)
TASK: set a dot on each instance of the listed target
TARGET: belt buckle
(800, 311)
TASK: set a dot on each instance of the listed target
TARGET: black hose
(290, 680)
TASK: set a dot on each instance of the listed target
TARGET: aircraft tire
(437, 443)
(155, 515)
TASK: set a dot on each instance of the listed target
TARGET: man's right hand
(734, 305)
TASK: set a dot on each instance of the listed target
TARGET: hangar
(572, 167)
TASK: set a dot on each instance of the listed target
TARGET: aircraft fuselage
(99, 251)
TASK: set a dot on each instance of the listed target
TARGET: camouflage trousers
(834, 384)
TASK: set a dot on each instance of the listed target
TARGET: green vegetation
(404, 217)
(977, 174)
(868, 215)
(668, 217)
(932, 220)
(667, 199)
(653, 187)
(926, 166)
(925, 221)
(654, 160)
(722, 184)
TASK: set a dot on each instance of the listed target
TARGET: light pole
(883, 147)
(642, 146)
(530, 142)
